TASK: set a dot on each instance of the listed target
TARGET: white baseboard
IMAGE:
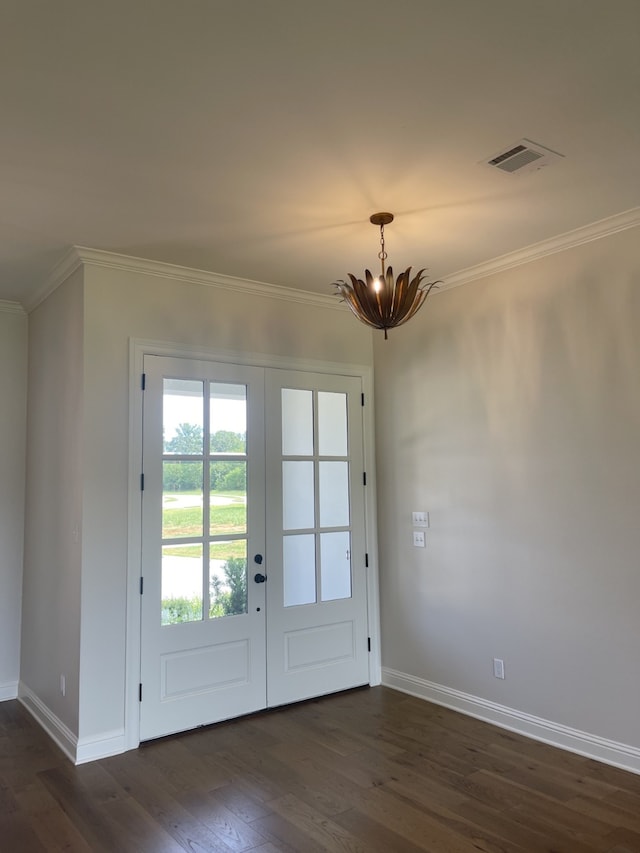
(52, 725)
(600, 749)
(106, 744)
(77, 750)
(8, 690)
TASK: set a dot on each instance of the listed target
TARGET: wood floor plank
(376, 837)
(452, 818)
(235, 833)
(285, 836)
(527, 836)
(16, 833)
(564, 776)
(240, 803)
(412, 824)
(259, 776)
(320, 786)
(118, 823)
(314, 825)
(608, 813)
(173, 759)
(137, 831)
(624, 800)
(161, 804)
(624, 841)
(52, 826)
(560, 823)
(367, 770)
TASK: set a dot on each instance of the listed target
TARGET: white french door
(316, 591)
(253, 543)
(203, 623)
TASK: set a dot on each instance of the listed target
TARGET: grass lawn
(186, 521)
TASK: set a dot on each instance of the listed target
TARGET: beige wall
(52, 557)
(510, 410)
(120, 305)
(13, 415)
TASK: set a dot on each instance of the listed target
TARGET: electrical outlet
(63, 685)
(418, 538)
(498, 667)
(420, 519)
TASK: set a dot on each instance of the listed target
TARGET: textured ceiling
(254, 138)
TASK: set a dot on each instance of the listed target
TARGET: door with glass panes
(253, 563)
(316, 591)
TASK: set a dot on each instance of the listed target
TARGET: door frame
(138, 348)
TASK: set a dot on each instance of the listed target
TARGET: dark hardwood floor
(367, 770)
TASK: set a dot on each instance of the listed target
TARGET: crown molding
(128, 263)
(585, 234)
(65, 267)
(79, 256)
(11, 307)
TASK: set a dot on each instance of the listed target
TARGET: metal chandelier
(380, 302)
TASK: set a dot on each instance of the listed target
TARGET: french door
(253, 542)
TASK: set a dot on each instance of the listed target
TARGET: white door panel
(254, 571)
(316, 588)
(203, 617)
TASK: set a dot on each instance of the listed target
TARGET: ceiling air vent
(523, 156)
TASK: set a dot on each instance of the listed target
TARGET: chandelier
(380, 302)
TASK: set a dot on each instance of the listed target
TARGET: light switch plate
(418, 538)
(420, 519)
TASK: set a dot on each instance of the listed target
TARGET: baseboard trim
(564, 737)
(53, 725)
(8, 690)
(77, 750)
(104, 746)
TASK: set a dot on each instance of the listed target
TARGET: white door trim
(138, 348)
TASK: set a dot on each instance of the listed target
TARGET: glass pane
(228, 418)
(228, 499)
(297, 495)
(335, 566)
(334, 494)
(228, 578)
(332, 424)
(181, 584)
(299, 568)
(181, 499)
(182, 409)
(297, 422)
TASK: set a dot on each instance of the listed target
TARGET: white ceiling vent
(523, 156)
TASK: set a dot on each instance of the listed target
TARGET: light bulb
(377, 285)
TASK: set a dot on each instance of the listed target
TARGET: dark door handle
(259, 578)
(258, 559)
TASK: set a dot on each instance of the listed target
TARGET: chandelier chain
(382, 254)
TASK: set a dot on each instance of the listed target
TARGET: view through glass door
(203, 619)
(254, 580)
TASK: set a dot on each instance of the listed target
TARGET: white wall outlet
(420, 519)
(498, 667)
(63, 685)
(418, 538)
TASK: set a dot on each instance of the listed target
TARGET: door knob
(258, 578)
